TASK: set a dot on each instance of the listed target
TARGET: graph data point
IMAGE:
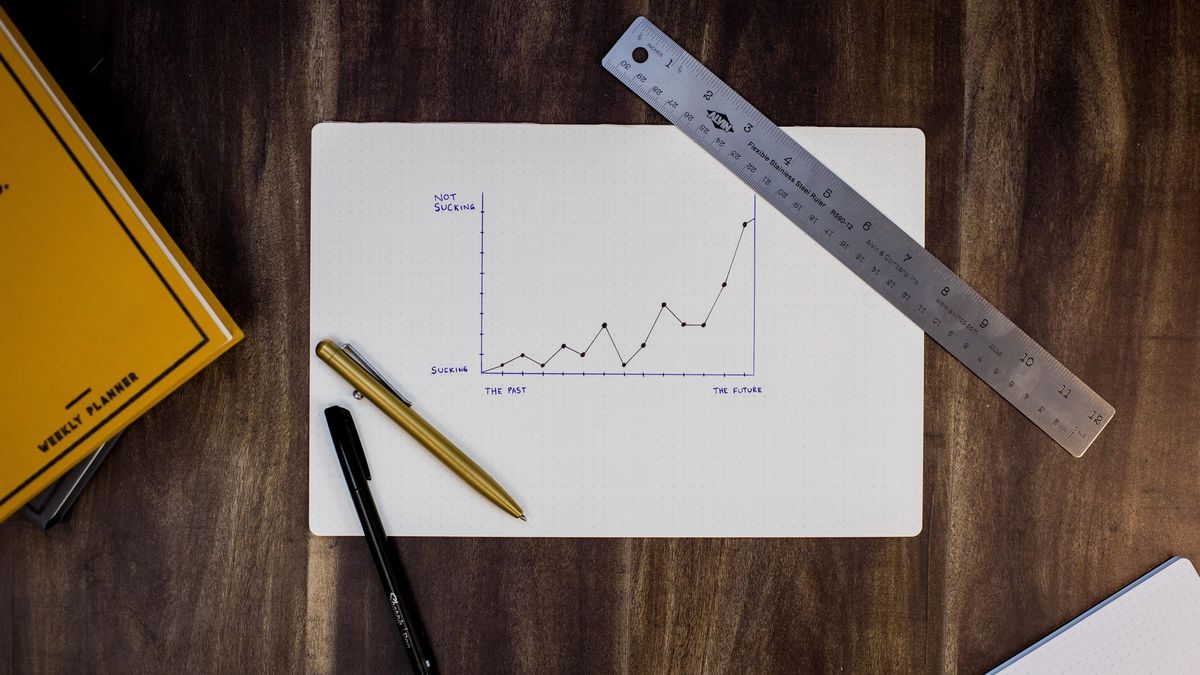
(624, 364)
(724, 284)
(683, 324)
(703, 324)
(564, 346)
(604, 325)
(582, 354)
(643, 345)
(664, 304)
(745, 223)
(542, 365)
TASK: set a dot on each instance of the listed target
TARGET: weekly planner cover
(102, 315)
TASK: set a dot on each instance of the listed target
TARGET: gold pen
(367, 382)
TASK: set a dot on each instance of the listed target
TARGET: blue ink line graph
(526, 365)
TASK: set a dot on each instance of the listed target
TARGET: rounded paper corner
(920, 527)
(918, 132)
(320, 129)
(316, 531)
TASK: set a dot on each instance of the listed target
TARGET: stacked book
(102, 314)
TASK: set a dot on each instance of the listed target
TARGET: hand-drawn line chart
(611, 351)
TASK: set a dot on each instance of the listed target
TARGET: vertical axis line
(754, 295)
(481, 210)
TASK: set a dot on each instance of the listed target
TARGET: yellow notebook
(101, 314)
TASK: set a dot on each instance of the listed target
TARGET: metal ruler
(843, 222)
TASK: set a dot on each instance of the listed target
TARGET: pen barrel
(417, 427)
(452, 457)
(397, 591)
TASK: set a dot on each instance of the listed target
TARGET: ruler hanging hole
(640, 55)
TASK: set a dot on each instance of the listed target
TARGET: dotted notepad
(617, 329)
(1150, 626)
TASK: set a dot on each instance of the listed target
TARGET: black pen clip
(366, 365)
(348, 445)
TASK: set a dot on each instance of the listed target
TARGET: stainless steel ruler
(843, 222)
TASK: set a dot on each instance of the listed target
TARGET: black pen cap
(348, 447)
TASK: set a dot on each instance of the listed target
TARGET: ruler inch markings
(844, 222)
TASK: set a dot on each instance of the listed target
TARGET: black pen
(395, 585)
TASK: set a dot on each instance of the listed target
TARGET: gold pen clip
(366, 365)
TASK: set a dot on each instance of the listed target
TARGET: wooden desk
(1062, 183)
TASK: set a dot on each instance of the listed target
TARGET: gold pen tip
(522, 517)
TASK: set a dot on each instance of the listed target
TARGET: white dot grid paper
(1150, 626)
(587, 225)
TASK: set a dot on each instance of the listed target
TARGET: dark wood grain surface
(1062, 182)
